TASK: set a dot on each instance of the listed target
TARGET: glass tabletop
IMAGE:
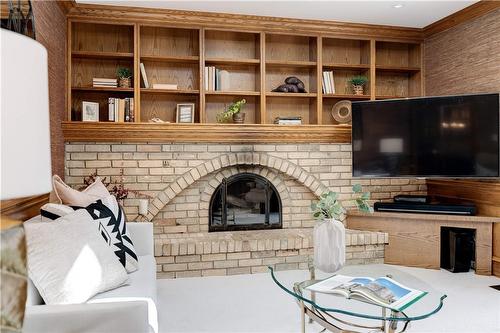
(366, 312)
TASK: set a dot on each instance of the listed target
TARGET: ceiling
(414, 14)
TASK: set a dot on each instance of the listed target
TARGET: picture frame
(185, 113)
(90, 111)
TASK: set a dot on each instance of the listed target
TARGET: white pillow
(67, 260)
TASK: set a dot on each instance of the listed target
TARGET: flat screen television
(450, 136)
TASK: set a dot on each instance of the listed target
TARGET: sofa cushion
(67, 260)
(141, 287)
(66, 195)
(109, 217)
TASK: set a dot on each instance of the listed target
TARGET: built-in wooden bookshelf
(256, 62)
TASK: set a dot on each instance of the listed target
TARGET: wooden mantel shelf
(223, 133)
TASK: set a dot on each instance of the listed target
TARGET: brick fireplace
(187, 182)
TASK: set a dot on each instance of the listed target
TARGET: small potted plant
(124, 77)
(233, 112)
(329, 233)
(358, 83)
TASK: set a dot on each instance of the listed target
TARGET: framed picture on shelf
(185, 113)
(90, 111)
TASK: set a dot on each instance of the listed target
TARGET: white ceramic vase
(329, 245)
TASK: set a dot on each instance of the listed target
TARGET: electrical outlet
(165, 163)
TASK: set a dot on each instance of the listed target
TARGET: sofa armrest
(142, 237)
(88, 318)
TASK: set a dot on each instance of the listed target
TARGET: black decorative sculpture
(292, 85)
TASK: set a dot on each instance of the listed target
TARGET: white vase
(329, 245)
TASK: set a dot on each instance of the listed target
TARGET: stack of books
(121, 109)
(328, 83)
(103, 82)
(288, 120)
(216, 79)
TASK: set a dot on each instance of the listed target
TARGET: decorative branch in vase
(329, 233)
(116, 188)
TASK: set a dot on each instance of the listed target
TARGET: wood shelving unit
(256, 62)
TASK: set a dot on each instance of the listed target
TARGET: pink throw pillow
(66, 195)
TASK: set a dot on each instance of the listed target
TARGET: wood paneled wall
(50, 23)
(465, 58)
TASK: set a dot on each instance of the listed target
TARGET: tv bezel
(428, 176)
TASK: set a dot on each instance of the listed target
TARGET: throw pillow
(67, 260)
(109, 218)
(69, 196)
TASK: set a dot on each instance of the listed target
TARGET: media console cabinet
(415, 239)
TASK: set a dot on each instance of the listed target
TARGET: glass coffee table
(341, 315)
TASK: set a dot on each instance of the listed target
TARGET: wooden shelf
(290, 63)
(233, 93)
(297, 95)
(401, 69)
(346, 66)
(169, 91)
(254, 62)
(232, 133)
(389, 97)
(173, 59)
(104, 89)
(346, 96)
(224, 61)
(102, 55)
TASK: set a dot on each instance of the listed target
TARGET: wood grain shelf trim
(429, 217)
(233, 93)
(102, 55)
(168, 91)
(224, 61)
(383, 68)
(295, 95)
(290, 63)
(347, 66)
(389, 97)
(103, 89)
(218, 21)
(173, 59)
(347, 96)
(232, 133)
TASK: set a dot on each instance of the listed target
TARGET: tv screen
(452, 136)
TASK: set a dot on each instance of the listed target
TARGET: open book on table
(382, 291)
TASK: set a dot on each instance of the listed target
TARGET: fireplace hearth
(245, 201)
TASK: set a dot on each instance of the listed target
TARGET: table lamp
(25, 157)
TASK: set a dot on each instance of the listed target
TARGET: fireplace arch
(245, 201)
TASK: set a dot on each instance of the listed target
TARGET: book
(382, 291)
(206, 78)
(121, 110)
(132, 110)
(144, 76)
(111, 109)
(166, 86)
(288, 120)
(332, 83)
(103, 82)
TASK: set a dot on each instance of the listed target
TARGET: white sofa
(130, 308)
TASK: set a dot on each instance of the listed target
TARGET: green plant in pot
(358, 82)
(124, 77)
(233, 112)
(329, 232)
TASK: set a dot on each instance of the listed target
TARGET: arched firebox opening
(245, 201)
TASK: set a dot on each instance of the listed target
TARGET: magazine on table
(383, 291)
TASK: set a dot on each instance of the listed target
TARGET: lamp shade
(25, 136)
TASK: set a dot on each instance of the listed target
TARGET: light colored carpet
(253, 303)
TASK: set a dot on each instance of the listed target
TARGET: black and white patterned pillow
(110, 220)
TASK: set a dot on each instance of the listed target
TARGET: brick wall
(182, 178)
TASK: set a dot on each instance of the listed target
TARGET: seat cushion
(141, 287)
(141, 283)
